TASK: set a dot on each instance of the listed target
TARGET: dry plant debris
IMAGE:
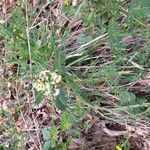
(104, 127)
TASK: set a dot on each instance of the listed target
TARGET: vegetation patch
(74, 75)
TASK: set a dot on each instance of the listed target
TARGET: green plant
(50, 137)
(124, 142)
(76, 82)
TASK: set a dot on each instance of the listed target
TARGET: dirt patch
(6, 6)
(106, 137)
(99, 135)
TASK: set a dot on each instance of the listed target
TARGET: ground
(74, 75)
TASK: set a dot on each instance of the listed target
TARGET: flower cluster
(47, 82)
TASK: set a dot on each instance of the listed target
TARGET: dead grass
(29, 119)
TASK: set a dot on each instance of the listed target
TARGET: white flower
(43, 75)
(55, 78)
(42, 86)
(48, 87)
(56, 92)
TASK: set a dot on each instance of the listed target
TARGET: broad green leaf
(53, 136)
(62, 100)
(47, 145)
(66, 120)
(46, 134)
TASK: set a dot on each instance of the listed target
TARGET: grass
(83, 62)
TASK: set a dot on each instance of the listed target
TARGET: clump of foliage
(71, 80)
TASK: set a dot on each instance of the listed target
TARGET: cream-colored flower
(48, 87)
(55, 78)
(44, 75)
(56, 92)
(42, 86)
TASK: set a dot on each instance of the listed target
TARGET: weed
(110, 55)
